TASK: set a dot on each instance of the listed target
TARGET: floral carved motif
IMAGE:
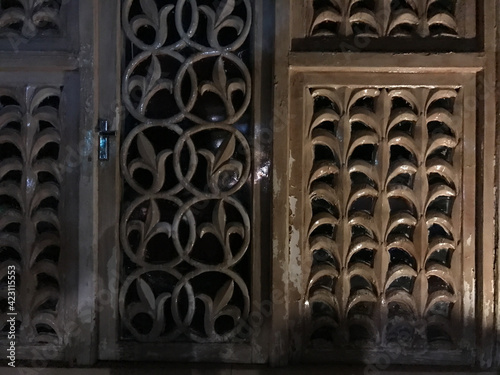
(185, 160)
(28, 18)
(384, 216)
(380, 18)
(30, 230)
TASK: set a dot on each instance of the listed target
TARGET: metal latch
(104, 134)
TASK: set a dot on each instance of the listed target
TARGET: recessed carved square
(383, 216)
(30, 18)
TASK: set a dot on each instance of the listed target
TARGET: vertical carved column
(40, 175)
(384, 220)
(30, 230)
(185, 161)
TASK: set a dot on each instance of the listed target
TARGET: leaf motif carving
(30, 190)
(150, 10)
(219, 74)
(393, 19)
(225, 152)
(33, 17)
(404, 17)
(219, 81)
(324, 18)
(444, 19)
(44, 16)
(225, 8)
(387, 253)
(154, 73)
(219, 217)
(222, 87)
(146, 150)
(146, 294)
(366, 17)
(153, 216)
(223, 296)
(218, 225)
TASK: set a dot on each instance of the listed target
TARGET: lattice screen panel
(186, 161)
(384, 225)
(391, 18)
(37, 209)
(380, 228)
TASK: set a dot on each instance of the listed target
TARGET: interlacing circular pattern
(183, 229)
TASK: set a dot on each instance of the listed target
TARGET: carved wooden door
(134, 177)
(180, 192)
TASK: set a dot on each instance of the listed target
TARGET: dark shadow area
(385, 44)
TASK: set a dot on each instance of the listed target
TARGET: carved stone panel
(30, 17)
(38, 24)
(391, 18)
(382, 243)
(186, 163)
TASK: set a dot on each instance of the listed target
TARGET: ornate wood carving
(384, 216)
(28, 18)
(394, 18)
(30, 228)
(185, 160)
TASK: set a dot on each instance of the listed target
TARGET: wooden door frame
(109, 200)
